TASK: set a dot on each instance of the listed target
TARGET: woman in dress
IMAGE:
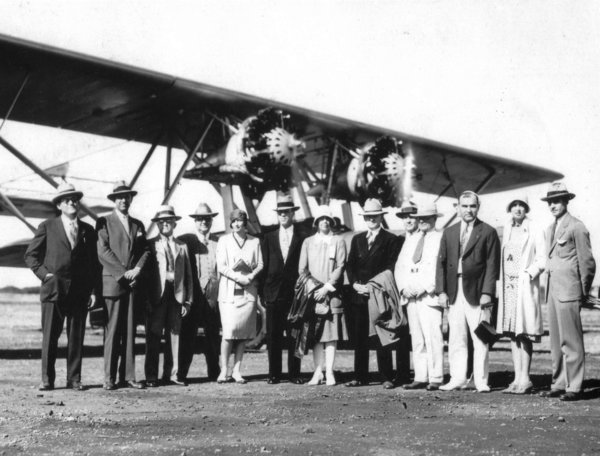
(323, 256)
(519, 307)
(239, 260)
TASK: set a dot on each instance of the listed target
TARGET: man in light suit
(172, 295)
(570, 267)
(281, 254)
(63, 256)
(123, 252)
(466, 273)
(415, 279)
(371, 253)
(202, 248)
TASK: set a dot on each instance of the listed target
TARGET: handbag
(322, 308)
(486, 332)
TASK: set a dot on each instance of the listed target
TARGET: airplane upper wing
(39, 208)
(68, 90)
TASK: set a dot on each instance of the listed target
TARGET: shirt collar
(121, 215)
(375, 232)
(289, 229)
(67, 221)
(204, 238)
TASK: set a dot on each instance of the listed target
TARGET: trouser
(53, 321)
(166, 316)
(119, 339)
(566, 343)
(427, 341)
(360, 335)
(463, 318)
(277, 325)
(201, 313)
(402, 348)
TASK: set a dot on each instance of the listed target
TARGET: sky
(510, 78)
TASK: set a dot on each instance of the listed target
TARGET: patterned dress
(512, 266)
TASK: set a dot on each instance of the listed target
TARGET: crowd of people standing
(384, 292)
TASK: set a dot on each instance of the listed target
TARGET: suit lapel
(276, 246)
(61, 232)
(473, 239)
(564, 224)
(377, 243)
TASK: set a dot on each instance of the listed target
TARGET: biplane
(233, 139)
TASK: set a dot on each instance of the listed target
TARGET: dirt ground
(257, 418)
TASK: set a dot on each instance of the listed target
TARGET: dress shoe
(77, 386)
(273, 381)
(483, 389)
(355, 383)
(552, 393)
(110, 386)
(330, 379)
(415, 386)
(239, 379)
(388, 385)
(526, 388)
(452, 386)
(46, 387)
(316, 379)
(433, 386)
(510, 389)
(132, 384)
(297, 380)
(152, 384)
(570, 396)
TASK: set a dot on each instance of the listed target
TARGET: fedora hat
(165, 212)
(121, 189)
(521, 198)
(428, 210)
(558, 190)
(203, 210)
(285, 202)
(65, 190)
(372, 207)
(407, 209)
(324, 212)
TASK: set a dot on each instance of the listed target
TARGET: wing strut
(301, 193)
(40, 172)
(14, 102)
(482, 185)
(146, 159)
(14, 210)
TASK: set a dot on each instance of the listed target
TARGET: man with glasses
(570, 269)
(281, 254)
(415, 279)
(172, 293)
(123, 252)
(202, 247)
(63, 256)
(371, 252)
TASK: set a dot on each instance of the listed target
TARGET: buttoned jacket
(183, 282)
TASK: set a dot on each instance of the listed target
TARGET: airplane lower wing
(38, 208)
(11, 255)
(54, 87)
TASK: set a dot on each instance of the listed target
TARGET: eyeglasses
(70, 199)
(284, 212)
(165, 222)
(204, 219)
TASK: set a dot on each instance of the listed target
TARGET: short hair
(470, 194)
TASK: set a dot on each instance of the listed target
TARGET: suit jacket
(206, 285)
(570, 264)
(119, 251)
(279, 278)
(76, 271)
(183, 284)
(480, 263)
(364, 264)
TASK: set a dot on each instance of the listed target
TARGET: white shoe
(316, 379)
(469, 384)
(330, 379)
(452, 386)
(483, 389)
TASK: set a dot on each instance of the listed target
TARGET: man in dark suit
(202, 247)
(570, 269)
(123, 251)
(63, 255)
(371, 253)
(467, 270)
(281, 253)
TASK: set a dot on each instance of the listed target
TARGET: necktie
(170, 258)
(463, 239)
(418, 254)
(370, 239)
(554, 225)
(285, 245)
(73, 231)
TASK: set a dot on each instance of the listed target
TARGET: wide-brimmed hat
(522, 198)
(121, 189)
(203, 210)
(372, 207)
(427, 210)
(237, 214)
(65, 190)
(558, 190)
(407, 209)
(324, 212)
(285, 202)
(165, 212)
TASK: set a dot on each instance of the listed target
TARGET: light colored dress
(523, 259)
(324, 257)
(237, 304)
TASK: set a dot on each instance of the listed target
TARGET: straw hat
(427, 210)
(407, 209)
(165, 212)
(65, 190)
(372, 207)
(203, 210)
(558, 190)
(285, 202)
(121, 189)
